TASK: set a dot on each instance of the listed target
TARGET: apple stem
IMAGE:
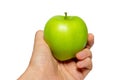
(65, 15)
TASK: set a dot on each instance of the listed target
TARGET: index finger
(90, 41)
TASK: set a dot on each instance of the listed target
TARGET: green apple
(65, 35)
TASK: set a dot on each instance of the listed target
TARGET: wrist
(31, 74)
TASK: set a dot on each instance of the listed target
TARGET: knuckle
(90, 65)
(39, 32)
(88, 52)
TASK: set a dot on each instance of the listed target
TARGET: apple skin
(65, 35)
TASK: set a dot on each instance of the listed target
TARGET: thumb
(41, 52)
(39, 43)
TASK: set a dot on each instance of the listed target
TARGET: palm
(65, 70)
(43, 66)
(70, 71)
(56, 70)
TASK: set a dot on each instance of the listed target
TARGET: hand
(43, 66)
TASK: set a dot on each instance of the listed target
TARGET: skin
(43, 66)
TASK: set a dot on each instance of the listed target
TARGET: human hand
(43, 66)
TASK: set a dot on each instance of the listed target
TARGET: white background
(20, 19)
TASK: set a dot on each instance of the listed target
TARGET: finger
(41, 50)
(90, 41)
(39, 41)
(40, 47)
(84, 71)
(85, 64)
(39, 35)
(38, 38)
(84, 54)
